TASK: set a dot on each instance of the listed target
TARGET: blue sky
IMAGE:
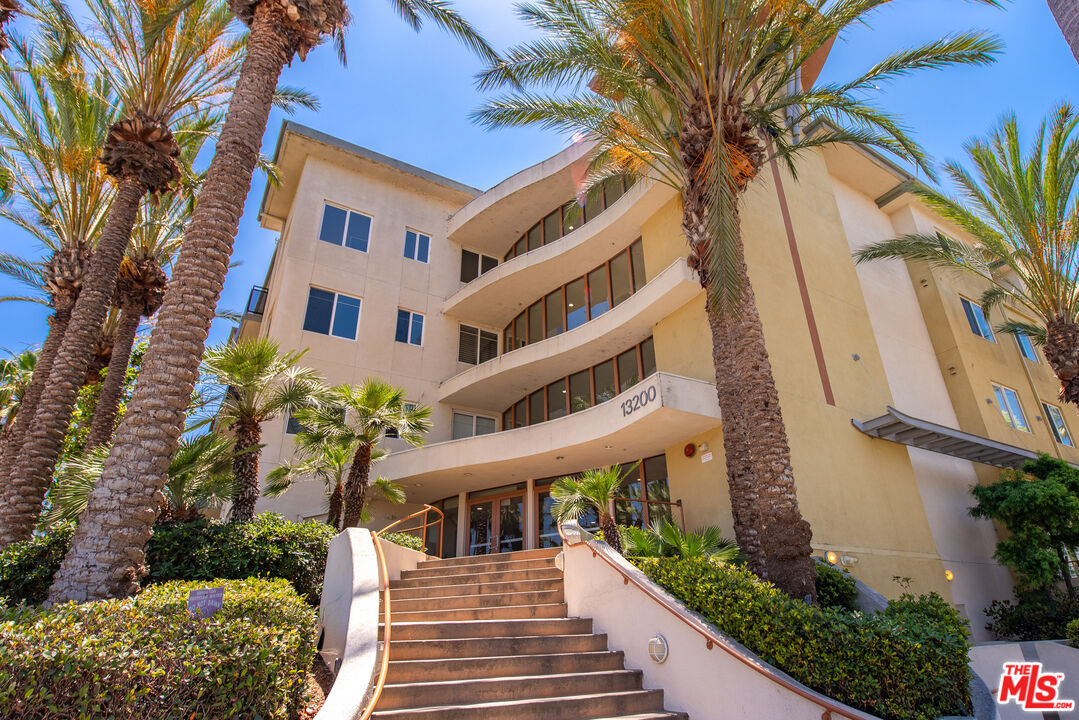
(409, 96)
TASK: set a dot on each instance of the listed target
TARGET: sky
(409, 96)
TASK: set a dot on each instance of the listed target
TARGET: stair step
(505, 612)
(499, 557)
(551, 573)
(406, 671)
(471, 691)
(543, 597)
(451, 649)
(574, 707)
(480, 567)
(495, 588)
(489, 628)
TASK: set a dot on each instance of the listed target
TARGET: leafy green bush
(836, 588)
(145, 658)
(908, 663)
(269, 546)
(1073, 633)
(404, 540)
(26, 568)
(1035, 615)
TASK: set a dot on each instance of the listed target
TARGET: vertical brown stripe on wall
(803, 290)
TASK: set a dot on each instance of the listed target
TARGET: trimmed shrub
(404, 540)
(1073, 633)
(1035, 615)
(908, 663)
(144, 657)
(268, 546)
(836, 588)
(27, 567)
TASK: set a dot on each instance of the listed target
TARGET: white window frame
(333, 313)
(1007, 411)
(970, 308)
(344, 232)
(1050, 409)
(479, 343)
(418, 235)
(412, 314)
(475, 417)
(1033, 356)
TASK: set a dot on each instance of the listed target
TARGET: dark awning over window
(907, 430)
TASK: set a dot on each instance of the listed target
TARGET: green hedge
(269, 546)
(1035, 615)
(908, 663)
(145, 658)
(404, 540)
(836, 588)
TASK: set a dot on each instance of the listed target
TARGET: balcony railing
(256, 301)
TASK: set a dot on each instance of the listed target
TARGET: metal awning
(907, 430)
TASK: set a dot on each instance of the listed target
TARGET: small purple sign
(204, 602)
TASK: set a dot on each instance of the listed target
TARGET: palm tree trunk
(359, 480)
(1062, 352)
(337, 502)
(246, 469)
(610, 531)
(1066, 13)
(767, 521)
(108, 549)
(1065, 570)
(108, 402)
(37, 458)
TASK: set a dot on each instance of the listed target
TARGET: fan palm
(327, 460)
(166, 61)
(700, 96)
(576, 495)
(278, 30)
(358, 417)
(1022, 211)
(16, 374)
(665, 539)
(260, 383)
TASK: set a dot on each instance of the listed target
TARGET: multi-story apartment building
(550, 338)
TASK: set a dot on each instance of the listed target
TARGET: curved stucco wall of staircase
(695, 679)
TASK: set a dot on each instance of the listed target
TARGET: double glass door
(496, 524)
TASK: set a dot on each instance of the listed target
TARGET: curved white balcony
(497, 296)
(495, 384)
(658, 412)
(491, 222)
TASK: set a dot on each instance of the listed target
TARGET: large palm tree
(1066, 13)
(592, 490)
(147, 438)
(359, 418)
(1021, 207)
(701, 95)
(167, 60)
(260, 382)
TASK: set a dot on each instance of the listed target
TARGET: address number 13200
(638, 401)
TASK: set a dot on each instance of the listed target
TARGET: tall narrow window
(598, 298)
(535, 238)
(470, 266)
(636, 261)
(552, 227)
(648, 357)
(520, 333)
(594, 203)
(605, 388)
(556, 399)
(628, 374)
(1010, 409)
(331, 313)
(580, 391)
(621, 282)
(535, 322)
(612, 190)
(979, 325)
(554, 313)
(576, 310)
(409, 327)
(1057, 424)
(1026, 347)
(417, 246)
(536, 407)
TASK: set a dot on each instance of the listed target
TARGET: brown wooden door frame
(494, 536)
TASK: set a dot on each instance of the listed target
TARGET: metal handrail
(422, 528)
(714, 638)
(385, 577)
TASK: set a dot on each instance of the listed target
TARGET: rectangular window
(476, 346)
(979, 325)
(630, 512)
(655, 477)
(576, 310)
(604, 374)
(554, 313)
(507, 420)
(520, 248)
(1008, 401)
(417, 246)
(552, 227)
(467, 425)
(572, 217)
(335, 221)
(1057, 424)
(535, 238)
(612, 190)
(520, 414)
(648, 357)
(593, 203)
(628, 376)
(535, 322)
(636, 261)
(621, 282)
(1026, 347)
(535, 407)
(409, 327)
(580, 392)
(293, 426)
(507, 339)
(520, 334)
(556, 400)
(598, 299)
(332, 314)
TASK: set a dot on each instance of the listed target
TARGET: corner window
(409, 327)
(417, 246)
(467, 425)
(345, 227)
(1026, 347)
(293, 426)
(1057, 424)
(979, 325)
(330, 313)
(474, 264)
(476, 346)
(1008, 402)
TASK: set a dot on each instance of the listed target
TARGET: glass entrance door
(496, 525)
(480, 532)
(511, 524)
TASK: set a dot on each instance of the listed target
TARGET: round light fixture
(690, 449)
(657, 649)
(949, 575)
(832, 558)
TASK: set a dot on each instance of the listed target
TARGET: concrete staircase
(487, 638)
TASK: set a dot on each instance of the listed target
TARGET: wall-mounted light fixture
(832, 557)
(690, 450)
(657, 649)
(703, 447)
(949, 575)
